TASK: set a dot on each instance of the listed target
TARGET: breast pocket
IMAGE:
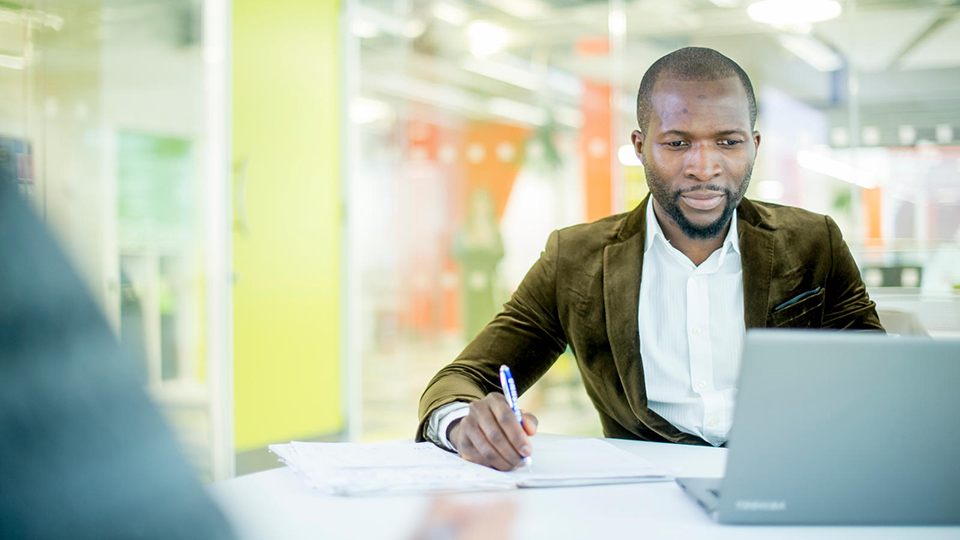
(802, 311)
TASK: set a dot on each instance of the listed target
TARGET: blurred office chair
(84, 454)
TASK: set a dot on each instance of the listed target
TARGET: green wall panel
(286, 143)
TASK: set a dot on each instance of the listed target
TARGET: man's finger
(468, 452)
(515, 435)
(499, 435)
(491, 457)
(530, 423)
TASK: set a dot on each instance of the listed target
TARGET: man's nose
(702, 162)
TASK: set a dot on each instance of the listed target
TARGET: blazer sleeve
(526, 335)
(847, 304)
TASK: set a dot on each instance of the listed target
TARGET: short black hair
(691, 64)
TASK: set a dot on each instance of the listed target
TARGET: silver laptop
(841, 428)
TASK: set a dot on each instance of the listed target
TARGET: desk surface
(274, 504)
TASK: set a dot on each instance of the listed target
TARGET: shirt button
(713, 422)
(702, 384)
(696, 330)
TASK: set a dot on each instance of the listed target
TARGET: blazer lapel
(622, 267)
(756, 247)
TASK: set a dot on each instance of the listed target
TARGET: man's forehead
(678, 100)
(704, 89)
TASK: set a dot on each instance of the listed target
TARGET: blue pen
(510, 392)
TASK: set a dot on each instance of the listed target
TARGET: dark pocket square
(797, 298)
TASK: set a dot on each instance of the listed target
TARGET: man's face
(698, 152)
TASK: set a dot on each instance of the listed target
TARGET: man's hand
(490, 434)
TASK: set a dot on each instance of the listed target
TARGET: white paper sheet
(404, 467)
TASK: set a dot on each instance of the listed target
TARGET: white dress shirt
(691, 332)
(691, 336)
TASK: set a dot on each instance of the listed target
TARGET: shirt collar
(732, 240)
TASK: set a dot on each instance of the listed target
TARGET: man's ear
(637, 138)
(756, 140)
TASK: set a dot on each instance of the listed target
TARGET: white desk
(274, 504)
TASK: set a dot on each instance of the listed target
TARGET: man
(654, 303)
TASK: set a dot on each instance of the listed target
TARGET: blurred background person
(84, 454)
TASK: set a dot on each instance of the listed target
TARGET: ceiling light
(367, 111)
(363, 28)
(522, 9)
(524, 78)
(514, 110)
(450, 14)
(793, 12)
(812, 51)
(414, 28)
(486, 38)
(617, 23)
(836, 169)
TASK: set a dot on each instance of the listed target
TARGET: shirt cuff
(440, 421)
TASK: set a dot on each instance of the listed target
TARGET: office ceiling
(905, 53)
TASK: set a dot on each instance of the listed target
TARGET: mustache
(707, 187)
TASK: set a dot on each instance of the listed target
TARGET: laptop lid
(844, 428)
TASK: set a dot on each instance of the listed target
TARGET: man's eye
(730, 142)
(675, 144)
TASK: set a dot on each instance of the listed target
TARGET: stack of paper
(404, 467)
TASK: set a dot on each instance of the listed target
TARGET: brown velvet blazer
(585, 290)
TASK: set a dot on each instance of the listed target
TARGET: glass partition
(104, 113)
(482, 125)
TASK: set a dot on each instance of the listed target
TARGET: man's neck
(695, 249)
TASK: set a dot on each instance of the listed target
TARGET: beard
(670, 202)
